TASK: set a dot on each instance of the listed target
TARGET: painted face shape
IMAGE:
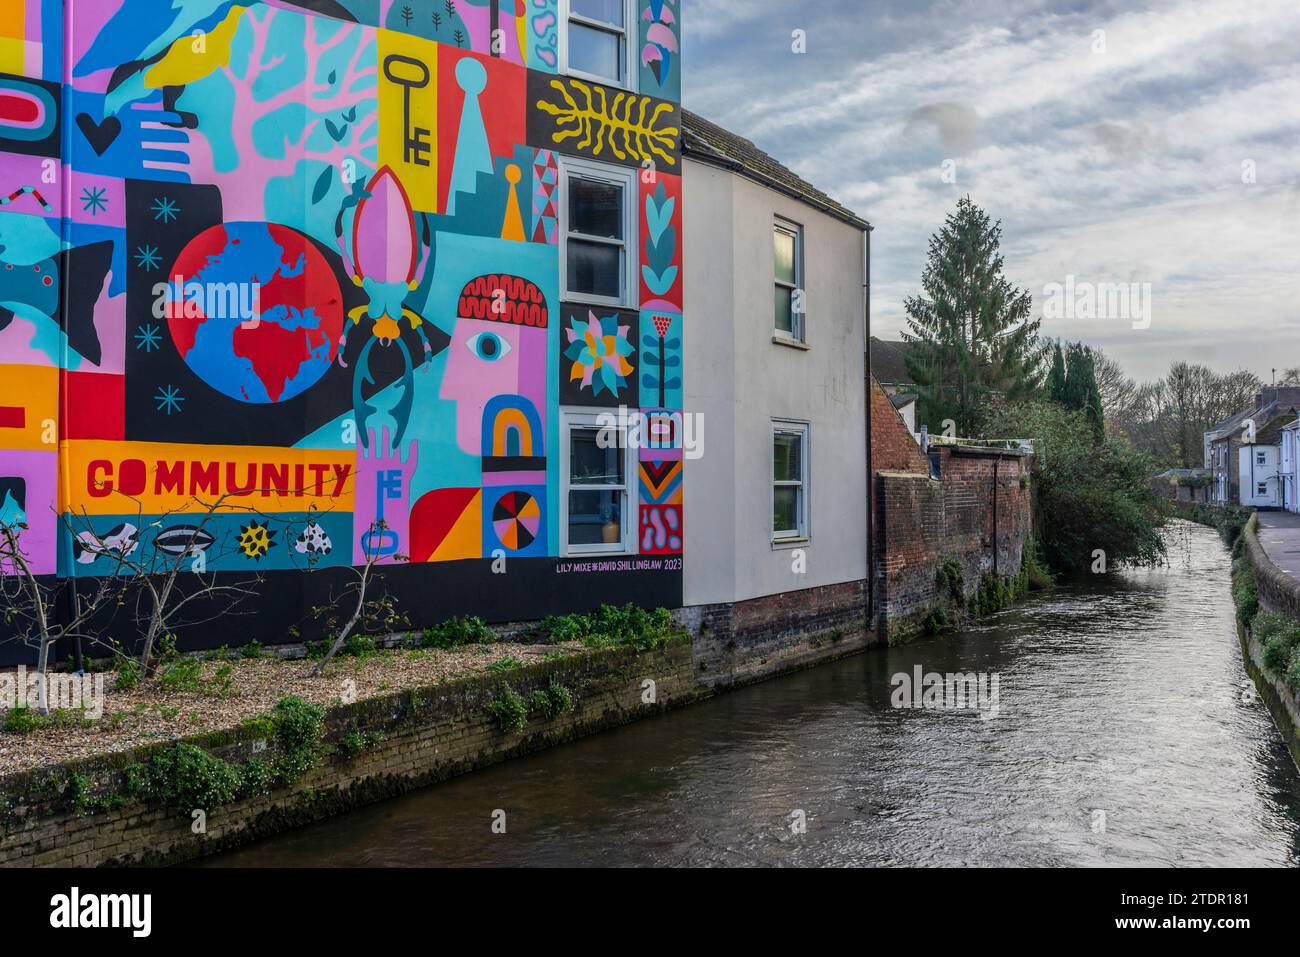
(483, 360)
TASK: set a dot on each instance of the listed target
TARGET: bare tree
(363, 606)
(1117, 389)
(167, 581)
(34, 604)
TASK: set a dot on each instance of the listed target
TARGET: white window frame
(631, 32)
(798, 323)
(615, 175)
(801, 534)
(631, 518)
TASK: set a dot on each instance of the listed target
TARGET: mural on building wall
(303, 258)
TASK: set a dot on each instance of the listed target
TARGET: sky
(1153, 144)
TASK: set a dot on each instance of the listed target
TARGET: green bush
(22, 720)
(298, 728)
(1232, 520)
(1279, 636)
(129, 674)
(1093, 490)
(935, 622)
(1244, 591)
(256, 777)
(611, 626)
(456, 632)
(252, 650)
(510, 711)
(551, 701)
(1035, 574)
(948, 578)
(185, 778)
(356, 742)
(509, 663)
(183, 674)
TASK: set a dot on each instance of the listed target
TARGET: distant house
(905, 403)
(1184, 485)
(1244, 450)
(889, 366)
(1289, 467)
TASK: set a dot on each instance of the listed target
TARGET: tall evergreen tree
(970, 329)
(1081, 391)
(1056, 377)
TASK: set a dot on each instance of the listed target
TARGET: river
(1126, 733)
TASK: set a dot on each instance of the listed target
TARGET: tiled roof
(710, 143)
(887, 363)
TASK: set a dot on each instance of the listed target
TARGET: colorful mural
(303, 258)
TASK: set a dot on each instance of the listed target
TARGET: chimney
(1285, 396)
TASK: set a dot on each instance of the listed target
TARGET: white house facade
(779, 505)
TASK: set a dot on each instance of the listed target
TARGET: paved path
(1279, 533)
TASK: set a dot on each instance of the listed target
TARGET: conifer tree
(1056, 377)
(970, 329)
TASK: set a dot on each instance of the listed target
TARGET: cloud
(1118, 160)
(956, 123)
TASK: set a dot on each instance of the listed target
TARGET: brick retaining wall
(921, 521)
(748, 640)
(429, 736)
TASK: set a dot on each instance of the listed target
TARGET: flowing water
(1126, 732)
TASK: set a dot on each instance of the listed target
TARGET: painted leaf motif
(658, 217)
(663, 36)
(323, 183)
(657, 283)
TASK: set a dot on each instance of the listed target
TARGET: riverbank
(177, 800)
(1267, 595)
(118, 795)
(1129, 735)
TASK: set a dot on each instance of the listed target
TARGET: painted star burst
(147, 337)
(169, 399)
(93, 200)
(165, 209)
(147, 258)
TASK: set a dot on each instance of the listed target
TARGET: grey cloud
(1127, 141)
(956, 123)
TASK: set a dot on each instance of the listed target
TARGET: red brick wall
(920, 521)
(892, 447)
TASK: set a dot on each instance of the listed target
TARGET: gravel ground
(149, 713)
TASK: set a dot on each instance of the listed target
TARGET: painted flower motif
(599, 349)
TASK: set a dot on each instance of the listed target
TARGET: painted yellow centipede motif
(623, 125)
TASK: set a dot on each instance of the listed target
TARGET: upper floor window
(598, 228)
(597, 40)
(787, 240)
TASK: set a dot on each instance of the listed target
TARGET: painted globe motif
(256, 312)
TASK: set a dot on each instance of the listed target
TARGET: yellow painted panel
(408, 115)
(12, 56)
(29, 407)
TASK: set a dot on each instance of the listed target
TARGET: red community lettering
(216, 478)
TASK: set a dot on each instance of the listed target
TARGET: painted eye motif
(487, 346)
